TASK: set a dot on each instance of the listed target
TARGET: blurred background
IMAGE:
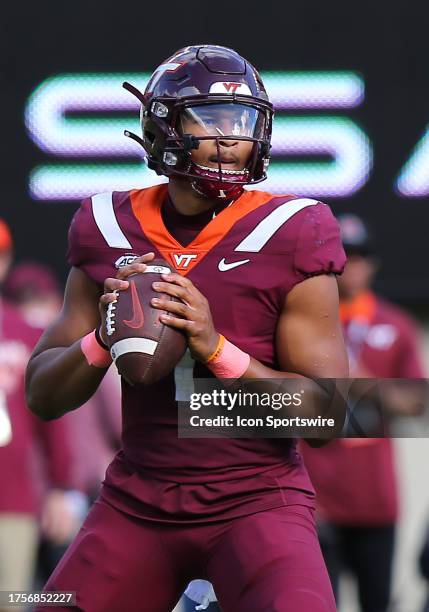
(350, 83)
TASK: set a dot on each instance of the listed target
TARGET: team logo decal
(182, 261)
(230, 88)
(125, 260)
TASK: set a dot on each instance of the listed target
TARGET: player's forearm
(262, 379)
(258, 370)
(321, 397)
(59, 380)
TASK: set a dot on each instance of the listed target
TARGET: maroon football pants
(266, 562)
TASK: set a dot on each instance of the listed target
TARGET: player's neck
(187, 201)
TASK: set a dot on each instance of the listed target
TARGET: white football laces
(110, 316)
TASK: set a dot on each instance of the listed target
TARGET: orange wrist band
(218, 349)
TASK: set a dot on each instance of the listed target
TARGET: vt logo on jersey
(182, 261)
(137, 319)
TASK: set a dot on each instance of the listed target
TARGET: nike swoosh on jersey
(138, 317)
(223, 266)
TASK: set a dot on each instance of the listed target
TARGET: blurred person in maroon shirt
(22, 436)
(34, 290)
(355, 478)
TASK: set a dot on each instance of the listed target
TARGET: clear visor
(228, 119)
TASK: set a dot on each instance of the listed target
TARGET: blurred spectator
(94, 430)
(34, 289)
(355, 478)
(21, 434)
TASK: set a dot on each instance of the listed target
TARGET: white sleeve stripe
(105, 218)
(258, 237)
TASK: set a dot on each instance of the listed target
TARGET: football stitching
(110, 316)
(111, 322)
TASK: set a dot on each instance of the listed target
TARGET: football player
(255, 274)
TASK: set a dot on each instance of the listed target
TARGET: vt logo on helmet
(202, 94)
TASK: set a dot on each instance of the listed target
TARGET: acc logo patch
(125, 260)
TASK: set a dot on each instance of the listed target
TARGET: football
(142, 347)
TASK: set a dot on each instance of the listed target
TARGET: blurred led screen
(77, 121)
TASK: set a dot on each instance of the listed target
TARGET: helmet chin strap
(223, 189)
(213, 182)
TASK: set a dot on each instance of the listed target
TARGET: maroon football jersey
(245, 261)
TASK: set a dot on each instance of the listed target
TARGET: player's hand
(111, 285)
(192, 314)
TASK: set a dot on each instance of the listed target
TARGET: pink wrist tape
(228, 361)
(94, 353)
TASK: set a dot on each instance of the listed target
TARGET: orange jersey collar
(147, 204)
